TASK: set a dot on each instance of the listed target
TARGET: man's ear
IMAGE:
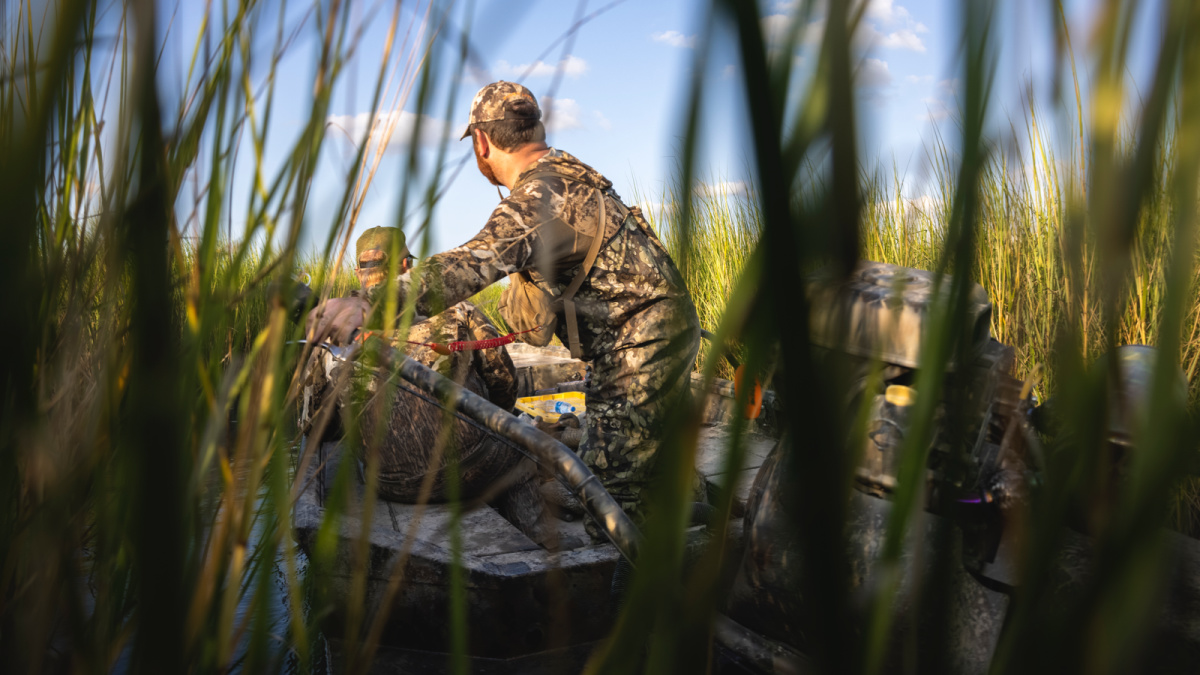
(483, 147)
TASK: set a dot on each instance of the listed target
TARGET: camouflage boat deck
(528, 609)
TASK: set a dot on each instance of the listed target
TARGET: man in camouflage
(487, 466)
(461, 322)
(637, 325)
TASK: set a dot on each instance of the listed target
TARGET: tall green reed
(725, 229)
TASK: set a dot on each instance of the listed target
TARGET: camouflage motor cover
(882, 312)
(1129, 396)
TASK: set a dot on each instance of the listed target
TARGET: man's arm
(520, 235)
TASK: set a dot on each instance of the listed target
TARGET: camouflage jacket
(544, 227)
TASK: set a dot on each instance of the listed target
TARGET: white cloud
(873, 73)
(776, 26)
(918, 79)
(354, 128)
(572, 66)
(561, 114)
(602, 121)
(675, 39)
(926, 204)
(888, 25)
(884, 11)
(813, 32)
(890, 15)
(887, 12)
(903, 39)
(935, 110)
(867, 36)
(652, 209)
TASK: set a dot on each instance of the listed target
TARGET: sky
(615, 99)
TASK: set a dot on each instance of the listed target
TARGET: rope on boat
(471, 345)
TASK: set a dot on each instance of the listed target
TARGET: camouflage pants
(628, 398)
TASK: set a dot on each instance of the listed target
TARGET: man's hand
(336, 320)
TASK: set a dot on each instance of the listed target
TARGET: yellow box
(552, 406)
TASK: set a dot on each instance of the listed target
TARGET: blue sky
(618, 102)
(622, 86)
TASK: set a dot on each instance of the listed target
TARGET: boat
(528, 609)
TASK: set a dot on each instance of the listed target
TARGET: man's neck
(516, 163)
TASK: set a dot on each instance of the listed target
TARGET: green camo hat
(380, 239)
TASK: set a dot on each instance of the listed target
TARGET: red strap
(472, 345)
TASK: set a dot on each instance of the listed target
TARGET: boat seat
(484, 531)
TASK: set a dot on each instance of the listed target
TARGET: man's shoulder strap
(568, 294)
(624, 212)
(551, 172)
(567, 298)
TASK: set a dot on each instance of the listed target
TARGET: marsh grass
(727, 226)
(488, 301)
(1024, 251)
(139, 526)
(1022, 259)
(1021, 262)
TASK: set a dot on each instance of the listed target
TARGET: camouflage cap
(379, 239)
(372, 251)
(490, 105)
